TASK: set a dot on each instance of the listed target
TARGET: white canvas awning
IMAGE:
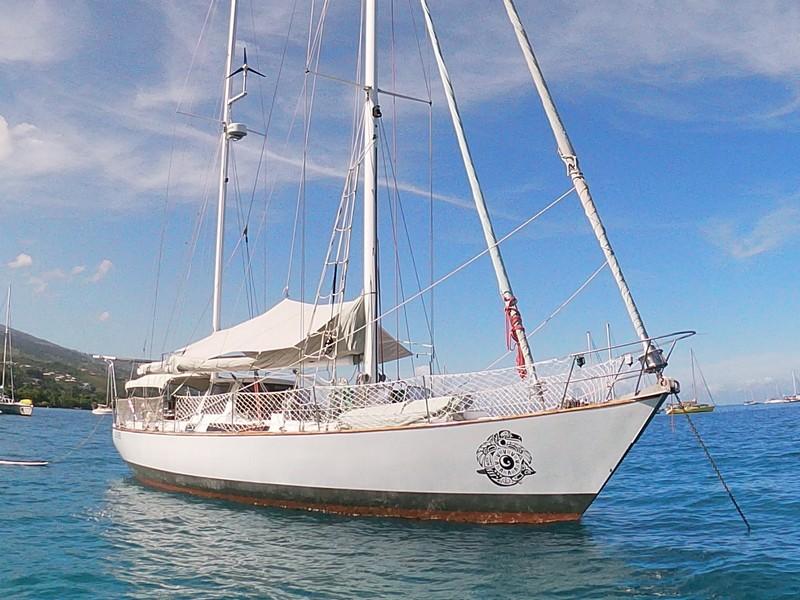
(160, 380)
(285, 336)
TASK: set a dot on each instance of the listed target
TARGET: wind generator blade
(239, 70)
(252, 70)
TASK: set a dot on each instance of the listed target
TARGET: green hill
(52, 375)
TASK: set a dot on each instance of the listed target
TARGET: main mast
(653, 357)
(372, 113)
(223, 173)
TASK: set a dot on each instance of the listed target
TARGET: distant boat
(794, 397)
(111, 389)
(8, 405)
(780, 398)
(776, 401)
(692, 406)
(689, 407)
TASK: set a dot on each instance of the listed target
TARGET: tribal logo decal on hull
(504, 459)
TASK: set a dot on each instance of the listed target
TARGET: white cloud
(41, 32)
(27, 150)
(21, 261)
(635, 39)
(102, 270)
(38, 284)
(104, 316)
(117, 135)
(768, 232)
(54, 274)
(41, 282)
(77, 270)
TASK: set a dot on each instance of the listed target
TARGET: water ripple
(663, 528)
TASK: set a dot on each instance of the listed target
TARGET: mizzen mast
(514, 317)
(654, 359)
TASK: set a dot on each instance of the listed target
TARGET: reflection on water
(662, 528)
(225, 549)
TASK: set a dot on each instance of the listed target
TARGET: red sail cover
(514, 329)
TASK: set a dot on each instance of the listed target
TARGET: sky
(685, 117)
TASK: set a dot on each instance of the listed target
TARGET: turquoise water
(82, 528)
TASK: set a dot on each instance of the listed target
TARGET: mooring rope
(713, 463)
(43, 463)
(82, 443)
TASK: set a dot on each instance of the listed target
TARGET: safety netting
(559, 384)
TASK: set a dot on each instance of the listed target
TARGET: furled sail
(287, 335)
(160, 380)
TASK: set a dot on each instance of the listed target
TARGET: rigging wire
(394, 199)
(267, 127)
(247, 287)
(203, 32)
(408, 239)
(313, 57)
(458, 269)
(705, 383)
(191, 250)
(162, 235)
(477, 256)
(262, 230)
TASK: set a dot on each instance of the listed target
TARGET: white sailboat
(788, 398)
(795, 396)
(8, 403)
(532, 443)
(107, 407)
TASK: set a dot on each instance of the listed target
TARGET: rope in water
(44, 463)
(82, 443)
(713, 463)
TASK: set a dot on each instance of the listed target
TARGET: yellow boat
(692, 406)
(689, 408)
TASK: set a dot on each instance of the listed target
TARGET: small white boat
(8, 404)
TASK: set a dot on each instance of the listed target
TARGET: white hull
(16, 408)
(425, 471)
(103, 410)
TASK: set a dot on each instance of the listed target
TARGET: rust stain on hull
(371, 511)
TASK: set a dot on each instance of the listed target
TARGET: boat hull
(16, 408)
(558, 463)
